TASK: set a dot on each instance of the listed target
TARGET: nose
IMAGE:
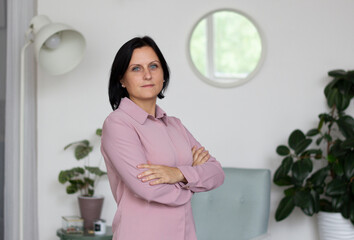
(147, 74)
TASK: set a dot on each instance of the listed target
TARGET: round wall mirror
(226, 48)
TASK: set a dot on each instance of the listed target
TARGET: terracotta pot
(90, 209)
(333, 226)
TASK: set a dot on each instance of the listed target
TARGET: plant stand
(85, 236)
(332, 226)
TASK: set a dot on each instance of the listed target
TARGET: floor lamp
(58, 49)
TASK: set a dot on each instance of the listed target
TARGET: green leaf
(339, 101)
(310, 209)
(99, 132)
(326, 118)
(317, 179)
(332, 95)
(302, 145)
(346, 126)
(89, 181)
(337, 150)
(328, 89)
(63, 178)
(313, 132)
(281, 177)
(83, 142)
(286, 206)
(287, 163)
(283, 150)
(295, 138)
(338, 168)
(91, 192)
(67, 175)
(337, 73)
(283, 181)
(331, 158)
(77, 182)
(345, 206)
(316, 201)
(325, 205)
(349, 166)
(319, 190)
(95, 170)
(302, 199)
(350, 75)
(351, 212)
(336, 187)
(344, 103)
(319, 140)
(337, 202)
(71, 189)
(348, 143)
(327, 137)
(290, 191)
(320, 124)
(301, 170)
(82, 151)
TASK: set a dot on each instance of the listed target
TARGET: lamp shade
(58, 47)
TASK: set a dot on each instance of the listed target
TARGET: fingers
(150, 177)
(194, 149)
(200, 156)
(197, 152)
(159, 174)
(149, 166)
(203, 158)
(158, 181)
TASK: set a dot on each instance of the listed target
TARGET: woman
(154, 164)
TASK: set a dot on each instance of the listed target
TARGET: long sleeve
(123, 151)
(203, 177)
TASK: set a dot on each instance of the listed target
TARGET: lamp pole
(22, 132)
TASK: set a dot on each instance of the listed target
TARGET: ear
(122, 83)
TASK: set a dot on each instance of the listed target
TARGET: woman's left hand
(160, 174)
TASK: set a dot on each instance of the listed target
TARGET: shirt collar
(137, 113)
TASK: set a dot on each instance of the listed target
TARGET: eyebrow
(138, 64)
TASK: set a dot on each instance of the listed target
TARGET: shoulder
(174, 120)
(117, 118)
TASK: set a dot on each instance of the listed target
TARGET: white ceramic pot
(332, 226)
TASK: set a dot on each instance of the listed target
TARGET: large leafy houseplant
(81, 179)
(328, 188)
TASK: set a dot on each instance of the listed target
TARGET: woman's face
(143, 78)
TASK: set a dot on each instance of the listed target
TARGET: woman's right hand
(200, 156)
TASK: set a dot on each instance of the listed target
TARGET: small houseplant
(329, 188)
(83, 179)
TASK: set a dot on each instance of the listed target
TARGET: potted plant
(329, 188)
(83, 179)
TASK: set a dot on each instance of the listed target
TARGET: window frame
(213, 80)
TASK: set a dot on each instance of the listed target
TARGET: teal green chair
(237, 210)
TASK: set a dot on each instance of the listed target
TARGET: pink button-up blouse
(162, 212)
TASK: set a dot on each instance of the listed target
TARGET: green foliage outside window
(236, 46)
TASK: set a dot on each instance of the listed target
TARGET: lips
(148, 85)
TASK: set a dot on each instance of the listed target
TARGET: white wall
(240, 126)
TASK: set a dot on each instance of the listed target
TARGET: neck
(148, 106)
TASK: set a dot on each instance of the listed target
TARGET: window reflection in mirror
(226, 48)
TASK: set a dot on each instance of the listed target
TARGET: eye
(136, 69)
(153, 66)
